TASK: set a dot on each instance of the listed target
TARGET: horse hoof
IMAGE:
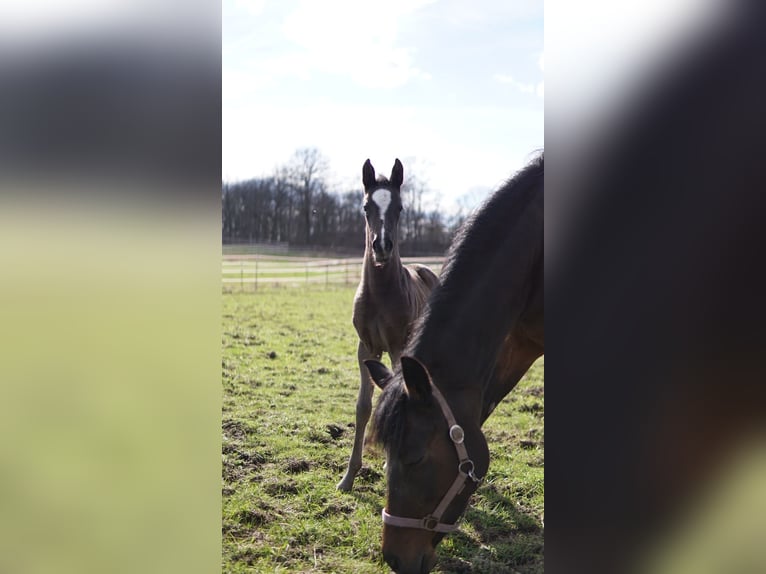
(345, 485)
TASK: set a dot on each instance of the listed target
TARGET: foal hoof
(345, 485)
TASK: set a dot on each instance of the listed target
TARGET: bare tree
(297, 205)
(307, 169)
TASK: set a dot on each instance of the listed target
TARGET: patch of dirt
(237, 464)
(251, 459)
(455, 566)
(289, 390)
(369, 474)
(234, 429)
(528, 443)
(251, 517)
(531, 407)
(536, 391)
(247, 555)
(334, 509)
(272, 355)
(537, 462)
(294, 466)
(316, 436)
(279, 489)
(335, 431)
(323, 370)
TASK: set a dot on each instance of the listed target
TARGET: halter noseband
(465, 471)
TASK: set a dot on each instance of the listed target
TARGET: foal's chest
(382, 329)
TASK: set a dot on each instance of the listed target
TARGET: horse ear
(416, 378)
(397, 174)
(380, 374)
(368, 175)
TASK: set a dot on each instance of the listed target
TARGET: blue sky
(453, 88)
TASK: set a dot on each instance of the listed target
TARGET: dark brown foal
(389, 298)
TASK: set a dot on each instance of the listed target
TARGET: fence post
(307, 273)
(327, 275)
(255, 280)
(241, 274)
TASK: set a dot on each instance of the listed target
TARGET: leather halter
(465, 471)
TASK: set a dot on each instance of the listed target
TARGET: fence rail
(252, 271)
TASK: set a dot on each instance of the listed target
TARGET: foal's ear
(368, 175)
(397, 174)
(416, 378)
(379, 373)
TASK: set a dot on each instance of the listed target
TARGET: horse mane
(473, 241)
(388, 420)
(469, 243)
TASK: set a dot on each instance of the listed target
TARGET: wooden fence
(252, 271)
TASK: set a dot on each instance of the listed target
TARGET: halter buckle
(430, 523)
(456, 434)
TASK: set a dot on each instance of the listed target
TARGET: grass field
(289, 388)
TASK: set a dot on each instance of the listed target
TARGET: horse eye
(416, 461)
(366, 207)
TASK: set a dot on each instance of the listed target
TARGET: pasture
(290, 380)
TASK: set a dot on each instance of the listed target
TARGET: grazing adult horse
(389, 298)
(481, 331)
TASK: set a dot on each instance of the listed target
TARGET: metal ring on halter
(469, 472)
(456, 434)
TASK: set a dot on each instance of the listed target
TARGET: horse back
(428, 277)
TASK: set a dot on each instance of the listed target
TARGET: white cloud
(252, 7)
(354, 39)
(523, 87)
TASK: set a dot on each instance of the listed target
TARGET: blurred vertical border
(655, 282)
(110, 160)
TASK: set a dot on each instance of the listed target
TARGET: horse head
(382, 206)
(435, 456)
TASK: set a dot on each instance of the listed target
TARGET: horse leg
(363, 411)
(514, 360)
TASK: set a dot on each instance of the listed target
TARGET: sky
(454, 89)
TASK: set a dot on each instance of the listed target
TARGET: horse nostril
(376, 244)
(389, 244)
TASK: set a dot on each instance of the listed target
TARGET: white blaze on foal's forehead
(382, 198)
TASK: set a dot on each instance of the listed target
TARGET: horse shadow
(507, 532)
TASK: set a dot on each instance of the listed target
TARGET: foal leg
(363, 411)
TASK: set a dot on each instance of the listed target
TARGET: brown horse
(481, 331)
(389, 298)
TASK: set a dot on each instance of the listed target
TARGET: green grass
(289, 375)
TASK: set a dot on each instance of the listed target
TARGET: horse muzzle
(382, 250)
(417, 563)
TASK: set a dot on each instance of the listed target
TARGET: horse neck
(479, 302)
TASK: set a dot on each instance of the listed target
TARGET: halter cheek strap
(465, 471)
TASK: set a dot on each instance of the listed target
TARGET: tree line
(296, 205)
